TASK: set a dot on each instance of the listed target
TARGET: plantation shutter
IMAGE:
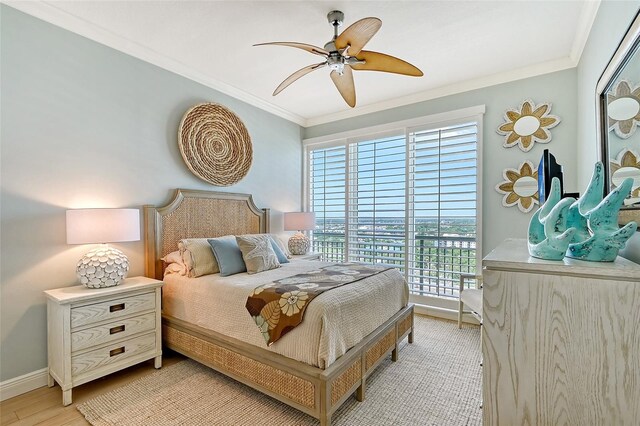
(327, 174)
(442, 195)
(376, 191)
(407, 199)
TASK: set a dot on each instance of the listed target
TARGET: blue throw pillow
(228, 255)
(282, 258)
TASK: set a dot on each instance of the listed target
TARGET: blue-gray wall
(611, 24)
(559, 88)
(84, 125)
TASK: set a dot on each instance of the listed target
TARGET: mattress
(334, 322)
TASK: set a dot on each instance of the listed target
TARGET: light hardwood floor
(43, 406)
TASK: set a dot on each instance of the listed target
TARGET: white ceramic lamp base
(102, 267)
(299, 244)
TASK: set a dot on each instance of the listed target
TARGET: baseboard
(443, 313)
(23, 384)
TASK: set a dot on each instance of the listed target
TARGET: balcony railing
(434, 269)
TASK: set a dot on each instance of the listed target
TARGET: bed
(316, 380)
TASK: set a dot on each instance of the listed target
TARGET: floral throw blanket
(278, 307)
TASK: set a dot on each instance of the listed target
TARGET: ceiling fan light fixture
(336, 63)
(344, 53)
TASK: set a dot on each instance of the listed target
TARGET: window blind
(327, 174)
(442, 196)
(408, 200)
(376, 191)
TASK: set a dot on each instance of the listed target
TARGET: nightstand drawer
(106, 333)
(115, 308)
(112, 353)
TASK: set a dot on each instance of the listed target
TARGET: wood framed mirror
(520, 187)
(618, 109)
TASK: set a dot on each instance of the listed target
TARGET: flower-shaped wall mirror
(627, 165)
(528, 124)
(618, 105)
(520, 187)
(623, 109)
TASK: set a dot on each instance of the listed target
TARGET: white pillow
(173, 257)
(175, 264)
(176, 268)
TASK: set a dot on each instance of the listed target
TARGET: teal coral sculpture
(586, 229)
(598, 237)
(549, 235)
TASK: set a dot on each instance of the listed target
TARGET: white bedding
(334, 322)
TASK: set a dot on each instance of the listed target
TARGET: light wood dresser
(95, 332)
(561, 340)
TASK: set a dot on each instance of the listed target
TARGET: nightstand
(95, 332)
(308, 256)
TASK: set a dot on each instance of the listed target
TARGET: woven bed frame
(315, 391)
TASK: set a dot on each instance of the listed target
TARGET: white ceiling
(459, 45)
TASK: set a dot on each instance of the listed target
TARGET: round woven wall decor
(215, 144)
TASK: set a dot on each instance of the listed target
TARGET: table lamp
(103, 266)
(299, 221)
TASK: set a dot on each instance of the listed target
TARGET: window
(407, 198)
(376, 199)
(443, 197)
(327, 174)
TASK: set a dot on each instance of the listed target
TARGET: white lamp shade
(90, 226)
(299, 221)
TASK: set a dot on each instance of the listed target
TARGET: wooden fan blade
(296, 75)
(358, 34)
(375, 61)
(308, 47)
(345, 85)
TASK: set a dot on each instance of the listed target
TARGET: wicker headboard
(197, 214)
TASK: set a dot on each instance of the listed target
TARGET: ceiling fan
(344, 53)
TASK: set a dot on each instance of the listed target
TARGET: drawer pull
(116, 330)
(116, 351)
(116, 308)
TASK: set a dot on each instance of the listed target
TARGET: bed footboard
(312, 390)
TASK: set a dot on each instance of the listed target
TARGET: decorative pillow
(282, 241)
(282, 258)
(187, 260)
(257, 252)
(197, 255)
(228, 255)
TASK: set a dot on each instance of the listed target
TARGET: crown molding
(452, 89)
(586, 20)
(50, 13)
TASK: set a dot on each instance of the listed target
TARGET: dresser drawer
(111, 354)
(116, 330)
(112, 309)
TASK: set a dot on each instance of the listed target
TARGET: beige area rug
(436, 381)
